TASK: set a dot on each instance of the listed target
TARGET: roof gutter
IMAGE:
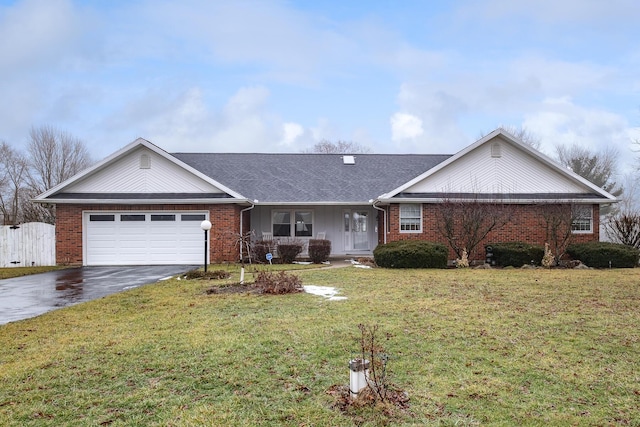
(316, 203)
(384, 219)
(531, 201)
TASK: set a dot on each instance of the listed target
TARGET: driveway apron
(30, 296)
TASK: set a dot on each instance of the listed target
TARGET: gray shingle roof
(310, 178)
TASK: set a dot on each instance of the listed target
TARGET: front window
(281, 224)
(411, 218)
(304, 223)
(582, 219)
(292, 223)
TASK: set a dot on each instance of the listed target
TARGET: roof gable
(142, 169)
(500, 165)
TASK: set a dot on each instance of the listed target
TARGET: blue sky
(278, 76)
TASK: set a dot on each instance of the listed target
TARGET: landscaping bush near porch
(604, 254)
(319, 250)
(288, 251)
(260, 250)
(411, 254)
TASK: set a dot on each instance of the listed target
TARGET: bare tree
(339, 147)
(597, 167)
(520, 133)
(54, 156)
(624, 227)
(466, 223)
(13, 175)
(524, 135)
(558, 220)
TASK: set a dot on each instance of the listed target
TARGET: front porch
(352, 229)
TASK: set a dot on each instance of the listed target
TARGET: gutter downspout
(253, 205)
(384, 220)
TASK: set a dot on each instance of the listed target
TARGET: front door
(356, 230)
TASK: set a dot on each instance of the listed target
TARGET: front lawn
(470, 347)
(8, 273)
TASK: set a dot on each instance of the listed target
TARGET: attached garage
(143, 238)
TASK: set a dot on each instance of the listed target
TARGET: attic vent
(349, 160)
(496, 150)
(145, 161)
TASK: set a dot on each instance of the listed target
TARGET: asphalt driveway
(30, 296)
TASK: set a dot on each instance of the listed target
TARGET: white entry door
(356, 230)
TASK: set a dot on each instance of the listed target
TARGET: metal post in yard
(206, 226)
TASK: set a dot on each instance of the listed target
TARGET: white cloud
(245, 124)
(246, 101)
(559, 121)
(291, 133)
(324, 130)
(405, 126)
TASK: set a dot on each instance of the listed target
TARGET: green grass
(7, 273)
(470, 347)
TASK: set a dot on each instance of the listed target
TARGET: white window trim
(590, 230)
(292, 222)
(400, 218)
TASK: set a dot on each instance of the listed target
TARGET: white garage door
(143, 238)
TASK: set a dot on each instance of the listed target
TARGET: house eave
(316, 203)
(95, 201)
(516, 199)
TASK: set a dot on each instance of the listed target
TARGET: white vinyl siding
(411, 218)
(481, 171)
(127, 175)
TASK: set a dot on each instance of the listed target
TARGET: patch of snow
(302, 262)
(328, 292)
(361, 266)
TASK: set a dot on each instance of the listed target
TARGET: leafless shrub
(278, 283)
(201, 274)
(557, 220)
(464, 223)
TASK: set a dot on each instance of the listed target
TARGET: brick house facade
(225, 228)
(526, 224)
(353, 201)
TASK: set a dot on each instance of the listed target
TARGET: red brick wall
(526, 225)
(225, 221)
(69, 234)
(225, 230)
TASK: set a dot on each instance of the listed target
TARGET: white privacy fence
(26, 245)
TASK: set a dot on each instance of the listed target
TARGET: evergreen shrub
(411, 254)
(289, 251)
(319, 250)
(516, 254)
(260, 250)
(600, 254)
